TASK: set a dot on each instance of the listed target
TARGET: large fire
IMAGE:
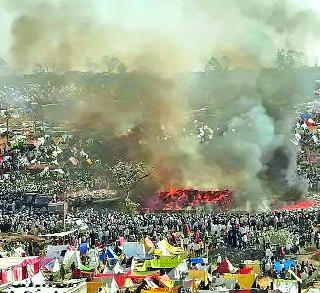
(179, 199)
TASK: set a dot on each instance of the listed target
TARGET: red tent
(245, 270)
(224, 267)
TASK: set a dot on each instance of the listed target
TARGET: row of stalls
(140, 267)
(147, 267)
(18, 268)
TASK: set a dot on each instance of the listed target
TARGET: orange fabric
(93, 287)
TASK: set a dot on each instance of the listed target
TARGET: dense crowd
(276, 235)
(307, 138)
(210, 231)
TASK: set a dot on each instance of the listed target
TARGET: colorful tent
(16, 268)
(198, 275)
(134, 249)
(199, 260)
(245, 281)
(254, 265)
(166, 249)
(148, 245)
(110, 253)
(167, 262)
(226, 267)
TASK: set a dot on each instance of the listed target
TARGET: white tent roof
(133, 249)
(8, 262)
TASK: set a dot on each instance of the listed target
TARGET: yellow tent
(198, 275)
(166, 281)
(172, 249)
(148, 245)
(245, 281)
(254, 265)
(162, 290)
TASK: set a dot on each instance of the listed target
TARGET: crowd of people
(277, 235)
(54, 165)
(283, 231)
(307, 138)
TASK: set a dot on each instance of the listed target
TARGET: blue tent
(199, 260)
(285, 264)
(110, 253)
(84, 247)
(278, 266)
(305, 115)
(289, 264)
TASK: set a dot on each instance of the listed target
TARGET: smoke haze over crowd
(143, 114)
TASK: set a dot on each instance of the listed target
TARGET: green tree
(129, 207)
(127, 175)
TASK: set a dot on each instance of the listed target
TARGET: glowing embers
(180, 199)
(300, 205)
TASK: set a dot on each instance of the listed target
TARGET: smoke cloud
(148, 113)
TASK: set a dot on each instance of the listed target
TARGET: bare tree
(286, 59)
(212, 64)
(128, 174)
(3, 65)
(39, 68)
(113, 65)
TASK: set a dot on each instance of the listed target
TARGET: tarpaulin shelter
(93, 287)
(199, 260)
(176, 272)
(167, 262)
(154, 290)
(245, 281)
(84, 247)
(166, 249)
(198, 275)
(60, 234)
(255, 265)
(286, 286)
(134, 249)
(56, 251)
(305, 115)
(245, 270)
(83, 272)
(117, 269)
(50, 265)
(106, 282)
(164, 281)
(225, 267)
(110, 253)
(148, 245)
(139, 276)
(119, 278)
(16, 268)
(286, 264)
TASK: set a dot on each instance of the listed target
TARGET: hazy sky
(197, 29)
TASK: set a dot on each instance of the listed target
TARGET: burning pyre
(180, 199)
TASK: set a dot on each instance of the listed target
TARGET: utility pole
(7, 125)
(64, 209)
